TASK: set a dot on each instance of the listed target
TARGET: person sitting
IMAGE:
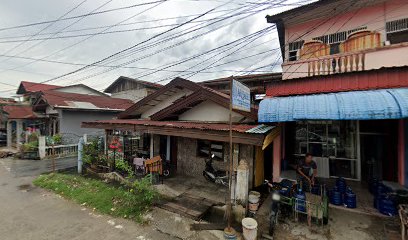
(307, 172)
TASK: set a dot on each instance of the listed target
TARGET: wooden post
(229, 203)
(53, 157)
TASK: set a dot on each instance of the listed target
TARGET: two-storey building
(344, 90)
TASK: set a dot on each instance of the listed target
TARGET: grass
(119, 201)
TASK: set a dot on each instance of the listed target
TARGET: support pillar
(151, 145)
(168, 149)
(242, 184)
(41, 147)
(19, 131)
(401, 151)
(277, 159)
(9, 134)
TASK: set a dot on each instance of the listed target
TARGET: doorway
(379, 150)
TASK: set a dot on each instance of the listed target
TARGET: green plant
(30, 146)
(90, 153)
(57, 139)
(123, 166)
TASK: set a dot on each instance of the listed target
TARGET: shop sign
(240, 97)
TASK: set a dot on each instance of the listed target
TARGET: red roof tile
(241, 128)
(84, 101)
(30, 87)
(19, 112)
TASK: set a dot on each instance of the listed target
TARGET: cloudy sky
(55, 41)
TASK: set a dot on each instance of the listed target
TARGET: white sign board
(241, 96)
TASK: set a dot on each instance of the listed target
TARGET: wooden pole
(231, 168)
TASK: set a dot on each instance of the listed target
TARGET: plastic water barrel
(300, 201)
(341, 184)
(249, 228)
(336, 197)
(230, 234)
(387, 206)
(350, 199)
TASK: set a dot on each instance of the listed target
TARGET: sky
(150, 40)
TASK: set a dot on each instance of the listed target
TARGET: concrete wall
(165, 103)
(374, 17)
(70, 121)
(188, 163)
(211, 112)
(135, 94)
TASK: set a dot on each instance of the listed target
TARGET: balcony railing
(368, 59)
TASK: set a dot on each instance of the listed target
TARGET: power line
(80, 16)
(182, 42)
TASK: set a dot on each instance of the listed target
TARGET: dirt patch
(25, 187)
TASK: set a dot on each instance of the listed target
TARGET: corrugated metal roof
(354, 81)
(20, 112)
(260, 129)
(241, 128)
(356, 105)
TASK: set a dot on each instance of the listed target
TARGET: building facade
(343, 94)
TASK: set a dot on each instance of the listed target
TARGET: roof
(83, 101)
(19, 112)
(83, 86)
(355, 105)
(317, 10)
(110, 88)
(241, 128)
(198, 94)
(353, 81)
(245, 78)
(31, 87)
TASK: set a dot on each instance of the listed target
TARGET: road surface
(31, 213)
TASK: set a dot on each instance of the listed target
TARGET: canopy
(356, 105)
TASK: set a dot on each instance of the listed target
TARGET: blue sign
(241, 96)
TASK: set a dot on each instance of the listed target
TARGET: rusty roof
(84, 101)
(31, 87)
(241, 128)
(20, 112)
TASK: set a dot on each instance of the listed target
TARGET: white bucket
(254, 197)
(249, 228)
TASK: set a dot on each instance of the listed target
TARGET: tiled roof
(19, 112)
(84, 101)
(241, 128)
(27, 87)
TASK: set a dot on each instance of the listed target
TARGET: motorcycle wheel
(207, 177)
(166, 172)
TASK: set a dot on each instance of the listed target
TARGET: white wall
(165, 103)
(70, 121)
(79, 90)
(209, 111)
(135, 94)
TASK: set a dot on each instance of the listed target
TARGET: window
(207, 148)
(397, 31)
(293, 49)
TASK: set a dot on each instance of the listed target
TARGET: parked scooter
(213, 175)
(275, 208)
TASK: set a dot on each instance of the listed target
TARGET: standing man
(307, 170)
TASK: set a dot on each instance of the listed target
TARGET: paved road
(23, 168)
(31, 213)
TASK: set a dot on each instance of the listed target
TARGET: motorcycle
(214, 175)
(275, 208)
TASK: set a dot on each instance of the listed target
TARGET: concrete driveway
(28, 212)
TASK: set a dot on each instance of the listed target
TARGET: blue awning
(357, 105)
